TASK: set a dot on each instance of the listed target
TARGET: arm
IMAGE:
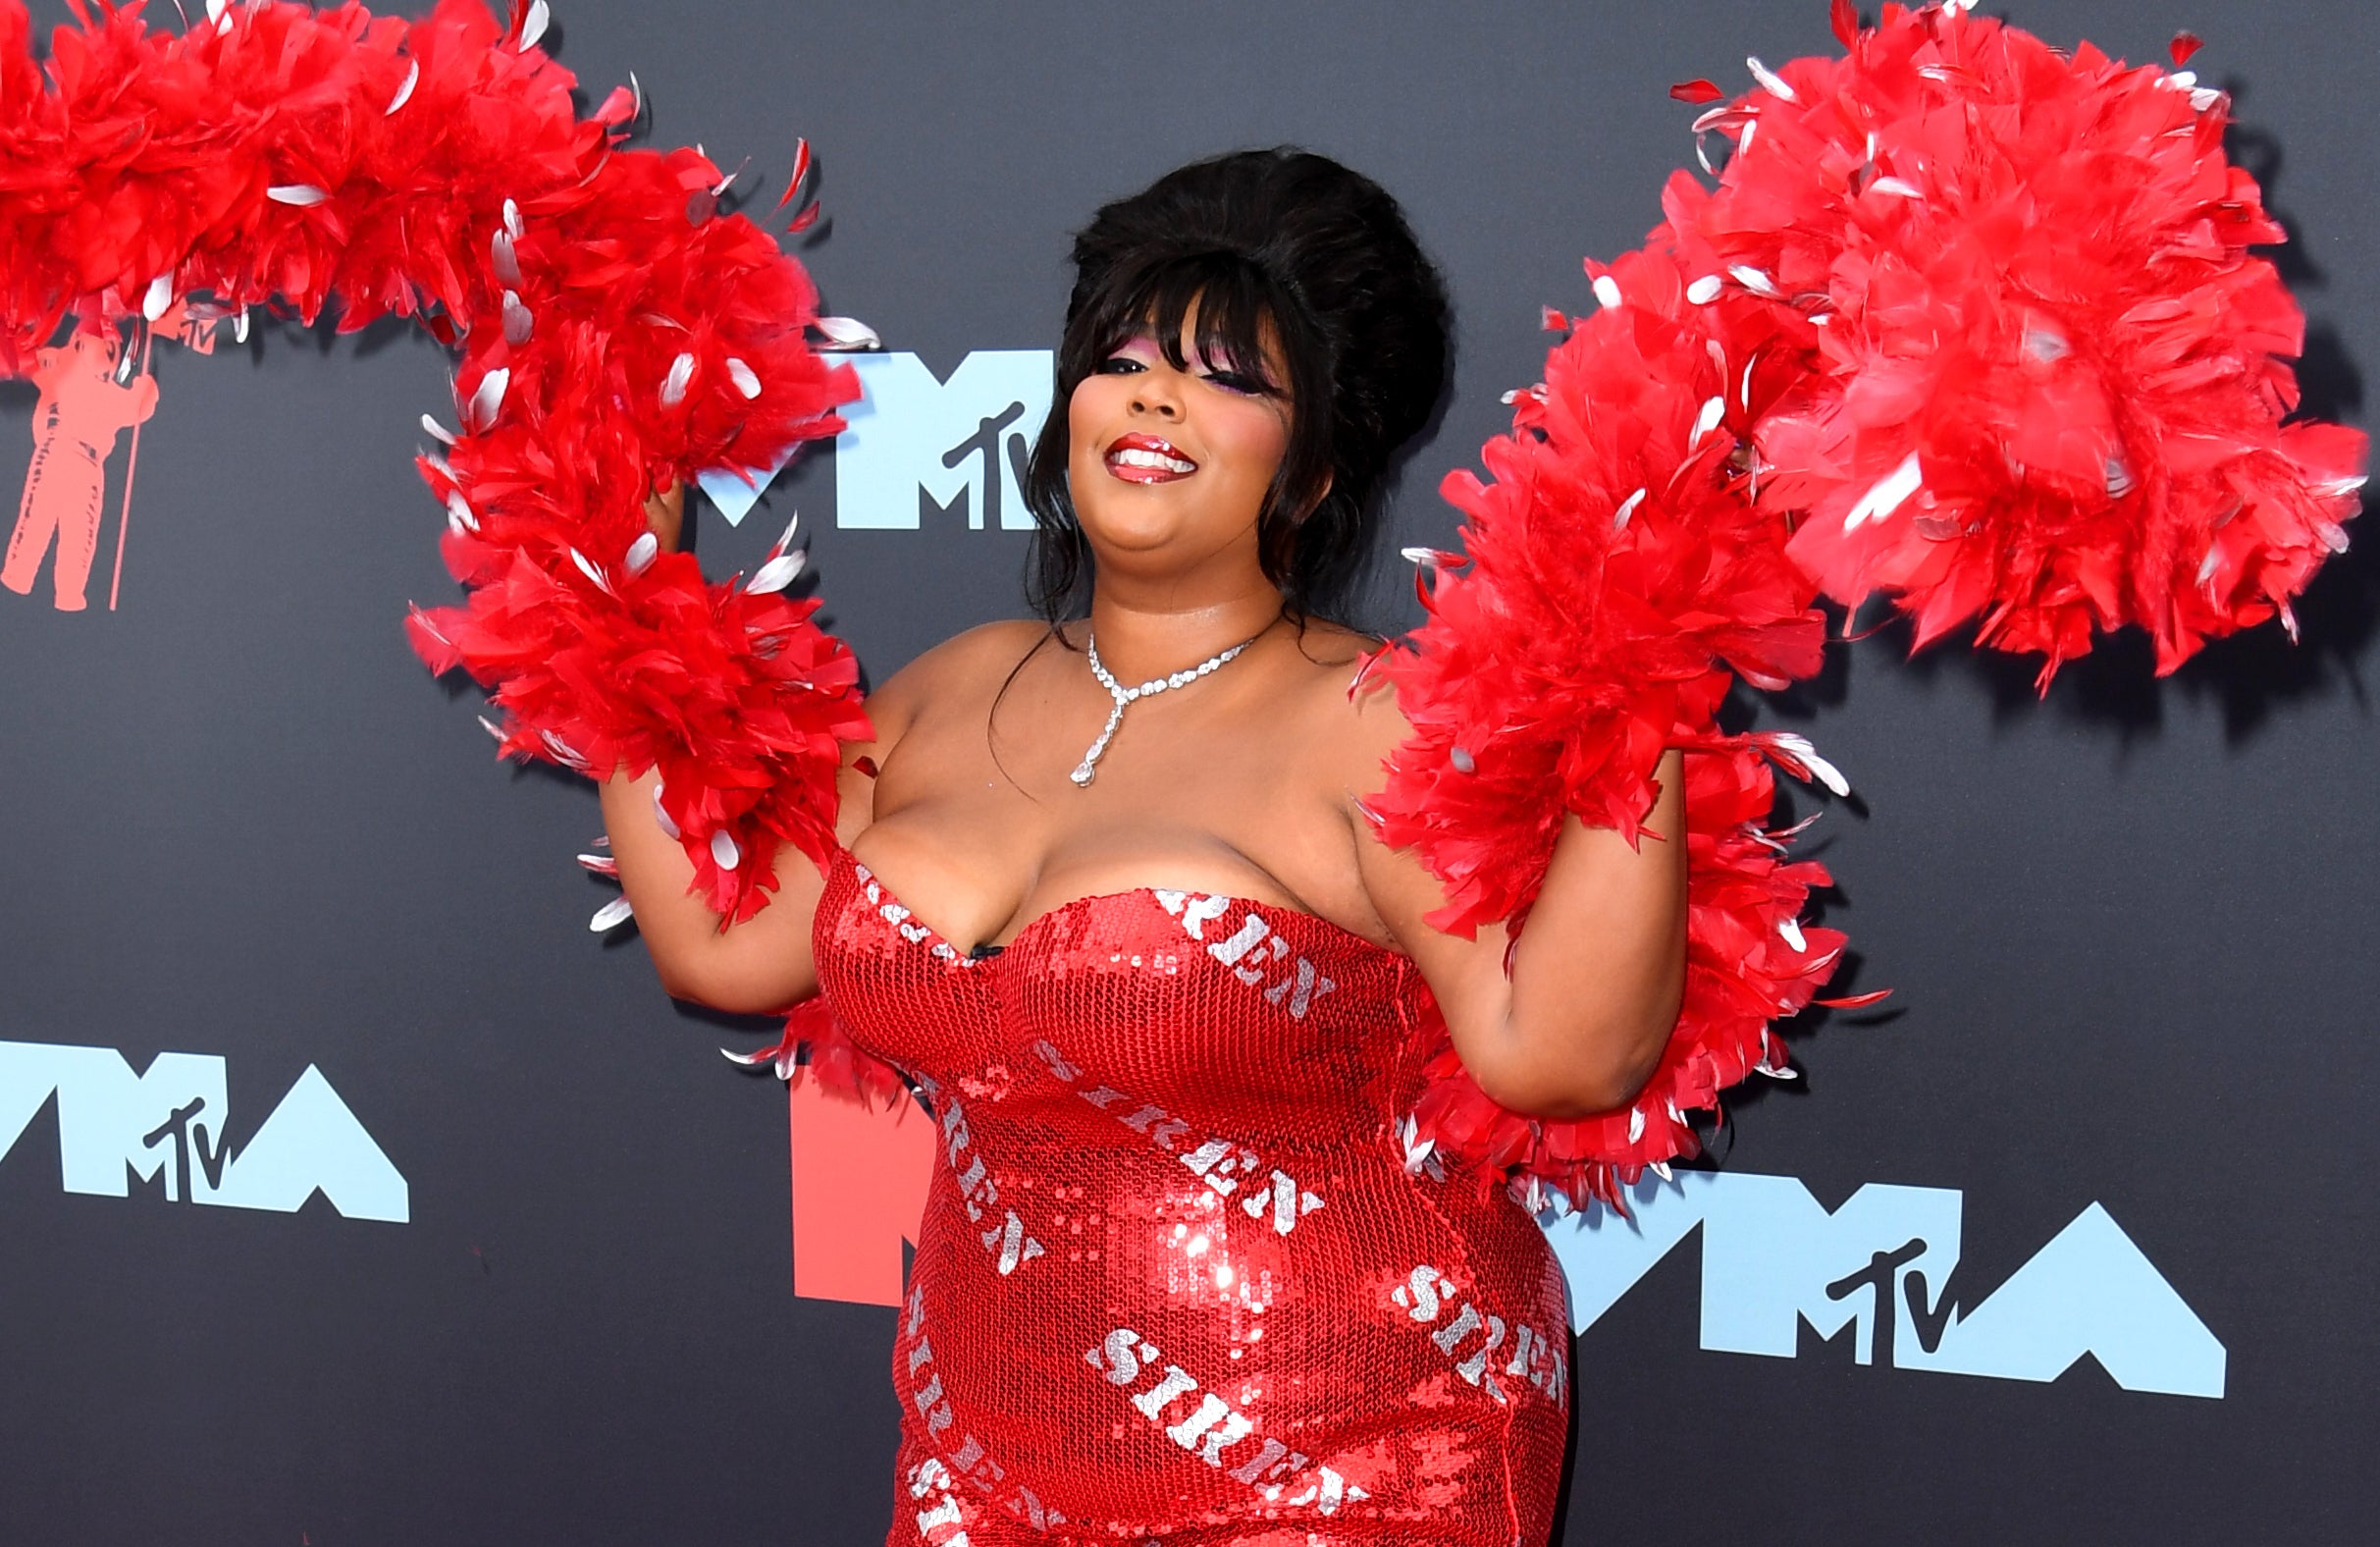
(1579, 1023)
(764, 963)
(754, 967)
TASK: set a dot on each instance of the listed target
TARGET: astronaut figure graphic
(85, 405)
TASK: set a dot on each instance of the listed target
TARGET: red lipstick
(1147, 460)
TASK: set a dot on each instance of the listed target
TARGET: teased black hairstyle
(1323, 254)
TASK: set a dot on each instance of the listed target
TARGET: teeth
(1134, 457)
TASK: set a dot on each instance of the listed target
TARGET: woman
(1108, 895)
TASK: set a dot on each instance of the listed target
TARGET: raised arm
(1578, 1023)
(763, 962)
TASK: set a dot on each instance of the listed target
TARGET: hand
(665, 513)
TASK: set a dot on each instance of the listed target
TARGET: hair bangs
(1230, 301)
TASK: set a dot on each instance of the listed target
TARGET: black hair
(1281, 238)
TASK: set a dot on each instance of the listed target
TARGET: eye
(1120, 365)
(1241, 382)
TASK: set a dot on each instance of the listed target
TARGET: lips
(1147, 460)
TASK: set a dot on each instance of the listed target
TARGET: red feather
(800, 174)
(1975, 322)
(1696, 91)
(1845, 18)
(1618, 581)
(2050, 394)
(2185, 44)
(434, 170)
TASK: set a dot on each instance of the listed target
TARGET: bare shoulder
(1351, 711)
(956, 668)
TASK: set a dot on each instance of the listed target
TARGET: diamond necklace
(1087, 770)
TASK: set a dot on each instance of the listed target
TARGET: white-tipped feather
(1754, 280)
(301, 194)
(158, 300)
(674, 386)
(518, 324)
(641, 554)
(533, 27)
(846, 334)
(777, 574)
(610, 916)
(723, 852)
(487, 399)
(1770, 81)
(1887, 494)
(592, 570)
(1607, 291)
(1712, 410)
(405, 93)
(502, 258)
(1799, 748)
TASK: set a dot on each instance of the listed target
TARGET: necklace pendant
(1085, 771)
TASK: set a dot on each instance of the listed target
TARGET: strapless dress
(1179, 1280)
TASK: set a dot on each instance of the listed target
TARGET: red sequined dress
(1175, 1283)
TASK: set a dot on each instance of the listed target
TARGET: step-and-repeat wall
(351, 1192)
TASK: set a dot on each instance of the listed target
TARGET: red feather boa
(613, 329)
(2048, 389)
(1617, 580)
(1966, 321)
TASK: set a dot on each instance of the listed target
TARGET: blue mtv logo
(920, 448)
(166, 1125)
(1775, 1257)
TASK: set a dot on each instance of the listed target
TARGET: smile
(1147, 460)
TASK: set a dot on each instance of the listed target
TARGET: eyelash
(1233, 382)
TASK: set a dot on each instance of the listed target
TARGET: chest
(1185, 1005)
(975, 808)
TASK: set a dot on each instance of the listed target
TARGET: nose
(1155, 392)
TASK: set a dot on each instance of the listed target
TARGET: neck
(1142, 636)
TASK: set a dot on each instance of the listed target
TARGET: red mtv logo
(95, 386)
(859, 1188)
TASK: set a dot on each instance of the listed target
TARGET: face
(1173, 465)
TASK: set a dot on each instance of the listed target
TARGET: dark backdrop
(2130, 926)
